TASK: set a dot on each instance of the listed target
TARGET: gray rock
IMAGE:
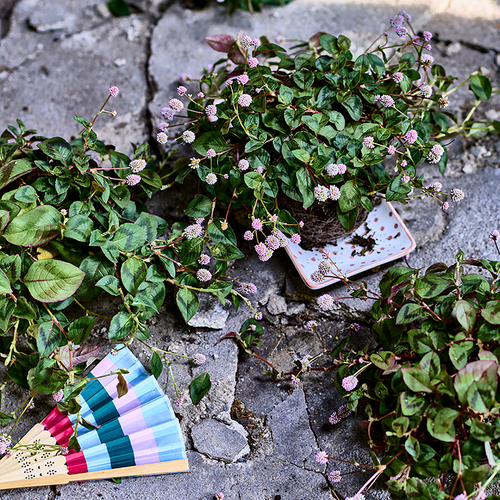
(292, 435)
(276, 305)
(295, 308)
(211, 313)
(215, 440)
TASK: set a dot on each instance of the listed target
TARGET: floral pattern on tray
(382, 238)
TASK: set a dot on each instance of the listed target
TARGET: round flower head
(280, 39)
(334, 476)
(259, 169)
(256, 42)
(349, 383)
(325, 301)
(211, 110)
(211, 178)
(406, 16)
(405, 179)
(181, 90)
(397, 21)
(59, 395)
(294, 379)
(258, 316)
(427, 60)
(244, 100)
(242, 79)
(114, 91)
(133, 179)
(410, 137)
(457, 195)
(179, 400)
(272, 242)
(494, 235)
(176, 105)
(246, 42)
(194, 162)
(248, 236)
(397, 77)
(324, 267)
(391, 149)
(203, 275)
(445, 206)
(163, 127)
(462, 496)
(321, 193)
(211, 153)
(342, 168)
(161, 138)
(317, 276)
(185, 77)
(386, 101)
(295, 238)
(199, 359)
(243, 165)
(253, 62)
(435, 186)
(5, 444)
(245, 288)
(427, 36)
(426, 91)
(310, 325)
(266, 254)
(334, 193)
(368, 142)
(219, 496)
(137, 165)
(401, 31)
(193, 231)
(188, 137)
(428, 47)
(332, 170)
(321, 457)
(167, 113)
(257, 224)
(204, 259)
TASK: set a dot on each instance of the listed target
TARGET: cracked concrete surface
(58, 59)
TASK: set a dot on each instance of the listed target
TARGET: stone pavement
(251, 438)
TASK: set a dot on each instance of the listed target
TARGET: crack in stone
(53, 493)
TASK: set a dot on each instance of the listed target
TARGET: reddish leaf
(220, 43)
(86, 353)
(227, 336)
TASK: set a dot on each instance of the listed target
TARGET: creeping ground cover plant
(305, 141)
(73, 229)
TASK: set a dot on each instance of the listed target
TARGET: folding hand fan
(135, 435)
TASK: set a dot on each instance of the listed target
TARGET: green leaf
(199, 387)
(26, 194)
(329, 43)
(118, 8)
(188, 303)
(253, 179)
(46, 378)
(465, 314)
(350, 196)
(458, 356)
(480, 396)
(210, 140)
(13, 170)
(58, 149)
(303, 78)
(51, 280)
(476, 371)
(411, 404)
(4, 283)
(216, 233)
(191, 250)
(133, 273)
(492, 314)
(49, 338)
(430, 286)
(35, 227)
(95, 267)
(23, 309)
(417, 380)
(377, 64)
(409, 313)
(110, 284)
(412, 446)
(225, 251)
(354, 107)
(443, 421)
(285, 95)
(156, 365)
(416, 488)
(481, 86)
(122, 325)
(128, 237)
(80, 329)
(301, 155)
(362, 64)
(79, 228)
(306, 186)
(199, 207)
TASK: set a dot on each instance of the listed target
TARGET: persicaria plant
(282, 135)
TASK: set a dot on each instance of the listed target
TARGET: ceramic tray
(384, 229)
